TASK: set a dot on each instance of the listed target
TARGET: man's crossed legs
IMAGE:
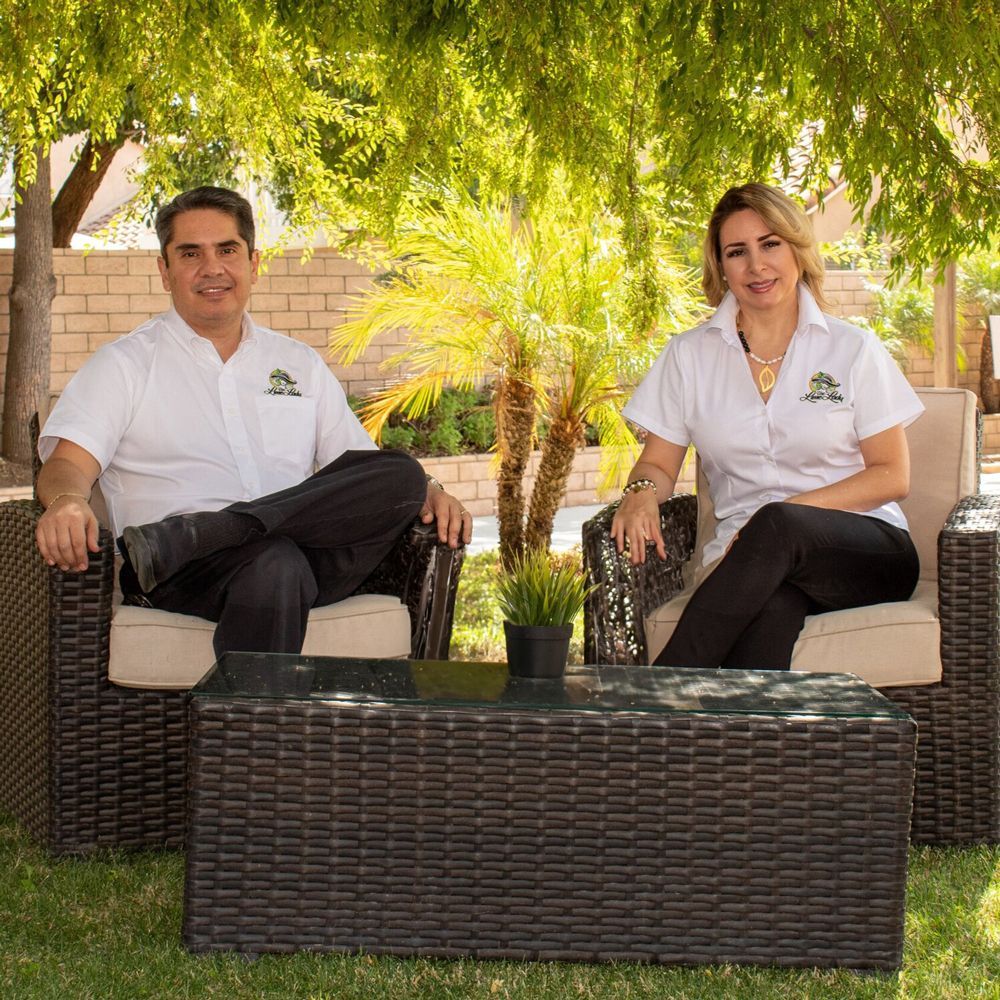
(257, 566)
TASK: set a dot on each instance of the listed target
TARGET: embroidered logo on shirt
(822, 387)
(282, 384)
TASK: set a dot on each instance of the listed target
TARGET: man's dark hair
(220, 199)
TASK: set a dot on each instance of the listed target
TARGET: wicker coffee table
(446, 809)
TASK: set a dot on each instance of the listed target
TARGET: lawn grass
(108, 928)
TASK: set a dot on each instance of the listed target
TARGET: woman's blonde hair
(783, 217)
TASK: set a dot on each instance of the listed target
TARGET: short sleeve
(337, 428)
(658, 403)
(95, 409)
(882, 396)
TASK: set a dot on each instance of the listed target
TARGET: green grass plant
(540, 590)
(108, 928)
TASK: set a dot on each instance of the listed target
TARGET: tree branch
(80, 186)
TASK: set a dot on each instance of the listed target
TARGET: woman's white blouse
(837, 386)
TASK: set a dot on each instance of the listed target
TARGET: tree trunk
(26, 383)
(515, 411)
(80, 187)
(566, 434)
(989, 387)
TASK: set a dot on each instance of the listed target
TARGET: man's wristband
(638, 486)
(59, 496)
(431, 481)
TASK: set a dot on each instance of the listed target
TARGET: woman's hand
(637, 523)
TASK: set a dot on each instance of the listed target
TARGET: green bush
(402, 437)
(461, 423)
(446, 438)
(479, 428)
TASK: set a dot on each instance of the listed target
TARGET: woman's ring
(463, 512)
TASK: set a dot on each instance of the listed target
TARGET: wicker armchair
(957, 790)
(87, 764)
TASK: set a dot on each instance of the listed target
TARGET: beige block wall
(848, 297)
(102, 295)
(468, 478)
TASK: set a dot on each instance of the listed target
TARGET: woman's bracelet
(637, 486)
(59, 496)
(432, 481)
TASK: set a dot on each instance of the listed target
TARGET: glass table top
(600, 689)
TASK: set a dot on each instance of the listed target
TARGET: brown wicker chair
(957, 791)
(86, 764)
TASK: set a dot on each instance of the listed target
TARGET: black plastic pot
(537, 650)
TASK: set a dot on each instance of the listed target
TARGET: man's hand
(453, 520)
(68, 528)
(66, 532)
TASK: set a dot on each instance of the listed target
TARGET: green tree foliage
(193, 81)
(659, 105)
(651, 106)
(538, 306)
(979, 280)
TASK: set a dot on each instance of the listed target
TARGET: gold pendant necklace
(766, 378)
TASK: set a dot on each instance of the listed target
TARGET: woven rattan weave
(957, 790)
(86, 764)
(447, 810)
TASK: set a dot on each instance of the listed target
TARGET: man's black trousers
(309, 545)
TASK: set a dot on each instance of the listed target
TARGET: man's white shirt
(836, 386)
(175, 430)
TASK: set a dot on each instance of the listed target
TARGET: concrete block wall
(102, 295)
(991, 434)
(848, 297)
(468, 478)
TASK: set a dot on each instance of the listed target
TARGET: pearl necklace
(766, 379)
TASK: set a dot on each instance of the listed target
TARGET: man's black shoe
(158, 550)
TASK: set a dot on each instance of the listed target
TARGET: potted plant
(539, 600)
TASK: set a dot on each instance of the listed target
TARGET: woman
(798, 420)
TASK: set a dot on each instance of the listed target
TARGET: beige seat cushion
(166, 651)
(887, 645)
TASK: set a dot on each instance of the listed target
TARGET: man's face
(208, 271)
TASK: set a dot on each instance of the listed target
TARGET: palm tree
(538, 307)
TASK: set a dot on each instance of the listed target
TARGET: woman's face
(760, 268)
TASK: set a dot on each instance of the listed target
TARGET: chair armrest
(54, 660)
(423, 573)
(969, 599)
(624, 594)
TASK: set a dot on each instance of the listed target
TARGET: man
(204, 430)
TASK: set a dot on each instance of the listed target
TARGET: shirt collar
(724, 317)
(185, 335)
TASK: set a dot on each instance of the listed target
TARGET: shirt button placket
(236, 433)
